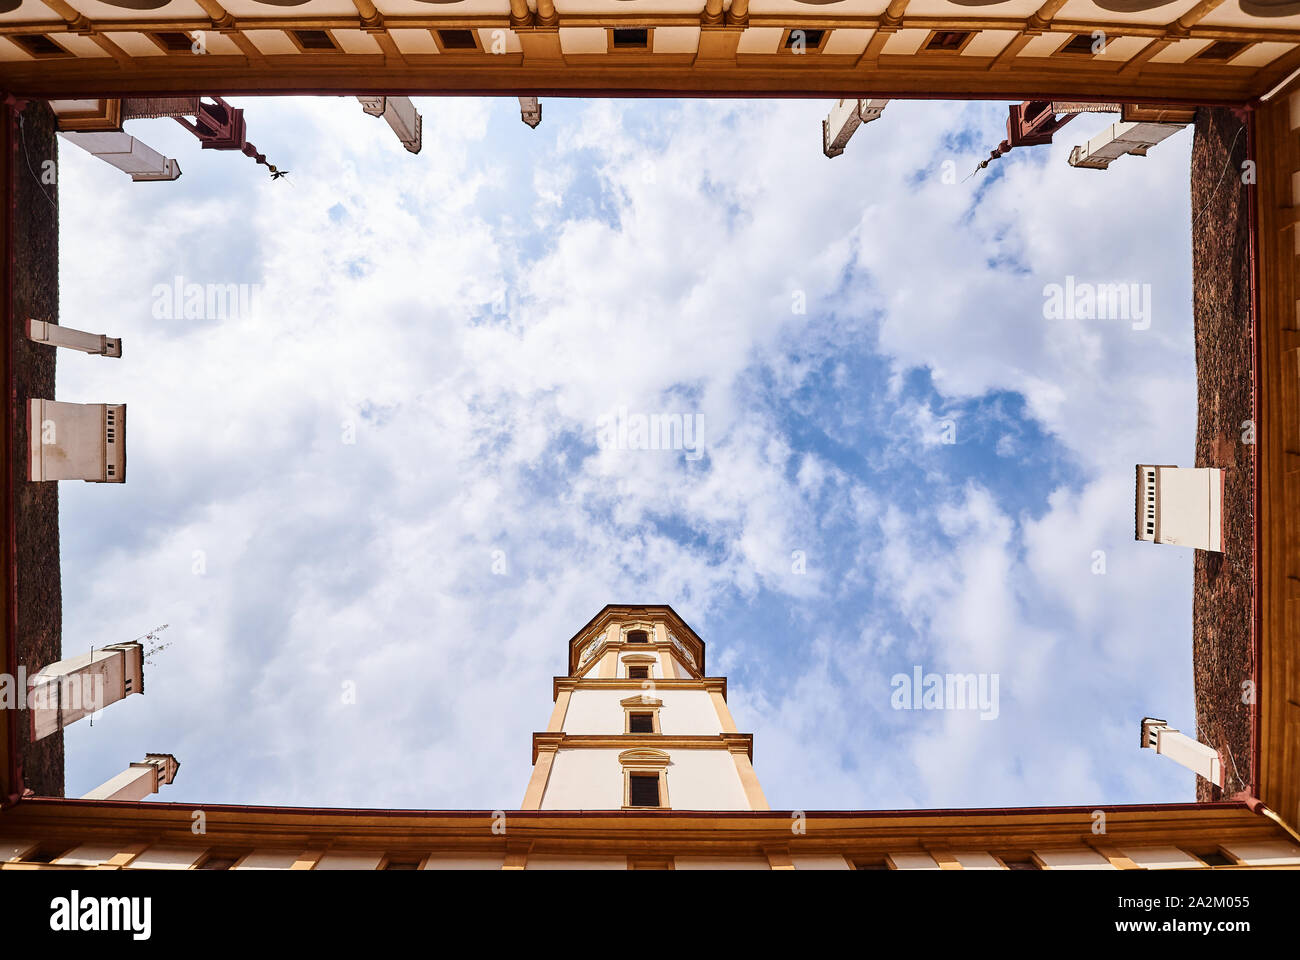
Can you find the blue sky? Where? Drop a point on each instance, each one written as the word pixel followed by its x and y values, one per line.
pixel 416 391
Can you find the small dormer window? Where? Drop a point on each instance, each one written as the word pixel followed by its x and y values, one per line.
pixel 638 636
pixel 645 778
pixel 641 714
pixel 643 790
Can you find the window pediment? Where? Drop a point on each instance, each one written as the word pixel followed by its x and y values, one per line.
pixel 644 757
pixel 641 700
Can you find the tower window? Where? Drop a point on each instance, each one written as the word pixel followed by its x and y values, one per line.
pixel 457 40
pixel 643 790
pixel 638 673
pixel 640 723
pixel 638 636
pixel 948 41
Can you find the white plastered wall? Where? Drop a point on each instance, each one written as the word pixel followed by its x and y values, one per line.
pixel 684 712
pixel 592 779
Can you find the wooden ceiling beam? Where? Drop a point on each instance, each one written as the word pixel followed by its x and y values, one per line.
pixel 225 23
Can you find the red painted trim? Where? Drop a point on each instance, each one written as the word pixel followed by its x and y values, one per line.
pixel 1256 619
pixel 1085 810
pixel 9 561
pixel 615 93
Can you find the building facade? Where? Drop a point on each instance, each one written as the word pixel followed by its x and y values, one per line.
pixel 641 767
pixel 637 724
pixel 1219 50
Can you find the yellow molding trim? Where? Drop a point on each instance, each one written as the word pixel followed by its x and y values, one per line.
pixel 718 684
pixel 749 781
pixel 644 757
pixel 537 782
pixel 547 743
pixel 516 856
pixel 1117 859
pixel 725 719
pixel 107 117
pixel 126 855
pixel 561 710
pixel 853 835
pixel 778 858
pixel 308 859
pixel 945 859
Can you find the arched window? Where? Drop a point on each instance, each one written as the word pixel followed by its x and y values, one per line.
pixel 645 778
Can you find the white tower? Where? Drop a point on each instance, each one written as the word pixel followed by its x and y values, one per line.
pixel 56 335
pixel 1181 506
pixel 1119 140
pixel 530 111
pixel 138 160
pixel 1182 749
pixel 139 780
pixel 638 725
pixel 843 121
pixel 402 117
pixel 67 690
pixel 76 441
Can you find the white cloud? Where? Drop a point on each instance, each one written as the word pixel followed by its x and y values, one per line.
pixel 370 562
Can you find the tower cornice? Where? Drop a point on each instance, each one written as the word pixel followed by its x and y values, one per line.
pixel 612 613
pixel 711 684
pixel 550 741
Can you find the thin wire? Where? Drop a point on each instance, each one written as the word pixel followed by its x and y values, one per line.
pixel 1235 771
pixel 22 135
pixel 1227 163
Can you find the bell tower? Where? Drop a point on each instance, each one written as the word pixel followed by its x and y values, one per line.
pixel 638 725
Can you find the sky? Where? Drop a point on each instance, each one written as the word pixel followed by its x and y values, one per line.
pixel 374 504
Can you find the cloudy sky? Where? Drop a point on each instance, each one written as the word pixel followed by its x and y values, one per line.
pixel 385 475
